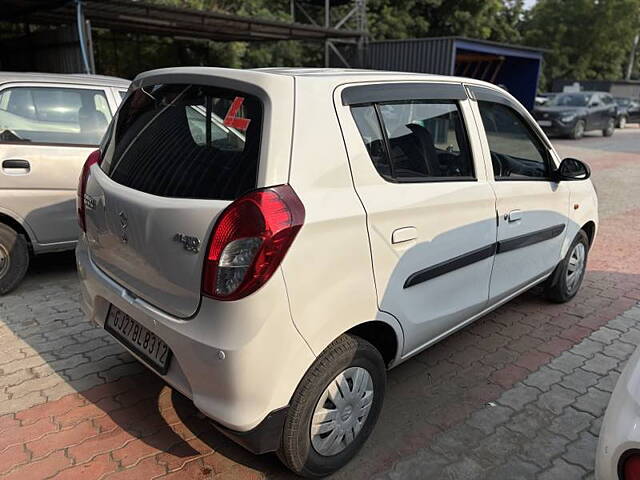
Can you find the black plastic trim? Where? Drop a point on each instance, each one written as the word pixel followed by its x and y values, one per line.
pixel 450 265
pixel 483 253
pixel 528 239
pixel 393 92
pixel 265 437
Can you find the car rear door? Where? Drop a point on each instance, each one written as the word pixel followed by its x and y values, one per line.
pixel 532 208
pixel 418 170
pixel 46 133
pixel 177 154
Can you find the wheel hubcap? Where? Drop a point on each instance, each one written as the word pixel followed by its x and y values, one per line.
pixel 575 267
pixel 341 411
pixel 4 261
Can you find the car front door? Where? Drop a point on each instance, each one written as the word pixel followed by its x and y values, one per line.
pixel 532 208
pixel 418 170
pixel 46 133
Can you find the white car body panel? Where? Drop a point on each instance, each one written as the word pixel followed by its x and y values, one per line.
pixel 620 429
pixel 343 270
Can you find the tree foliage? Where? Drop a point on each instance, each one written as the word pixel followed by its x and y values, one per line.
pixel 585 39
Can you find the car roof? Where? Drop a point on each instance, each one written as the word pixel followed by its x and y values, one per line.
pixel 587 92
pixel 328 77
pixel 77 78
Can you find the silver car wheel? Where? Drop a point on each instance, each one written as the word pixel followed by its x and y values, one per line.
pixel 341 411
pixel 575 268
pixel 5 261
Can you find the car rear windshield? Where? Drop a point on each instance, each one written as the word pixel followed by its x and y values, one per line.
pixel 185 141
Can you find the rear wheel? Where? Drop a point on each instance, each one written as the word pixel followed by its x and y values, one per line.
pixel 622 121
pixel 607 132
pixel 334 409
pixel 578 130
pixel 566 279
pixel 14 258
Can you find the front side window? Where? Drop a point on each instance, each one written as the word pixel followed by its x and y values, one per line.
pixel 53 115
pixel 419 140
pixel 516 153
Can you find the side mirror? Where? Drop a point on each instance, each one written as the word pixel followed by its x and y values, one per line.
pixel 573 169
pixel 594 104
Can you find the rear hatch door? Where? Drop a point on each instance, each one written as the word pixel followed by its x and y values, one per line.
pixel 175 156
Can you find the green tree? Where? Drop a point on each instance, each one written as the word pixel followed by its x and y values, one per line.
pixel 485 19
pixel 586 39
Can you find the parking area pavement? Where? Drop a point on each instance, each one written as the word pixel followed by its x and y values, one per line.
pixel 518 394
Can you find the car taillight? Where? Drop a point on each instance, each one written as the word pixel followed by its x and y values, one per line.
pixel 92 159
pixel 631 467
pixel 249 240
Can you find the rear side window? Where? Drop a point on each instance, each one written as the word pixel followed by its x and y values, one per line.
pixel 419 140
pixel 186 141
pixel 53 115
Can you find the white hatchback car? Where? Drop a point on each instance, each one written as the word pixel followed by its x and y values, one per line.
pixel 618 454
pixel 271 241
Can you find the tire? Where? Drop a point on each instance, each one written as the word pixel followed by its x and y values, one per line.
pixel 14 258
pixel 611 125
pixel 300 450
pixel 561 286
pixel 622 121
pixel 578 130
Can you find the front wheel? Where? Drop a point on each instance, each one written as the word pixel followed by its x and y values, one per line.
pixel 622 121
pixel 334 409
pixel 566 279
pixel 578 130
pixel 607 132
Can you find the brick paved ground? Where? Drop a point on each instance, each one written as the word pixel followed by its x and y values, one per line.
pixel 519 394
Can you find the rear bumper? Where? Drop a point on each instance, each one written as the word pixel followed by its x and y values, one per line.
pixel 228 359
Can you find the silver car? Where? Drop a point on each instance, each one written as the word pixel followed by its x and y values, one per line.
pixel 49 123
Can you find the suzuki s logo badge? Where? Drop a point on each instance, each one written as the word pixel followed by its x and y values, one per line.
pixel 190 243
pixel 124 223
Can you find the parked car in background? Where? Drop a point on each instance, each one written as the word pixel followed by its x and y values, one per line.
pixel 628 111
pixel 355 217
pixel 49 123
pixel 618 453
pixel 573 114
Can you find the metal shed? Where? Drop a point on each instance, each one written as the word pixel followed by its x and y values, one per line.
pixel 516 68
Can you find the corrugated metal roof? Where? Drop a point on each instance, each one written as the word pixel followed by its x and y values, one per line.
pixel 129 16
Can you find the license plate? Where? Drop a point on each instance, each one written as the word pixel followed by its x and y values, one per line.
pixel 139 339
pixel 544 123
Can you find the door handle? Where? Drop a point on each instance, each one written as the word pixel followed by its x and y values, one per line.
pixel 513 216
pixel 404 234
pixel 16 166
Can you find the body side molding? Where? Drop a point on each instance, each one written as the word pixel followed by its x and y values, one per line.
pixel 474 256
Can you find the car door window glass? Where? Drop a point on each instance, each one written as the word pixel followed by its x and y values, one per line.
pixel 516 153
pixel 53 115
pixel 369 127
pixel 421 141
